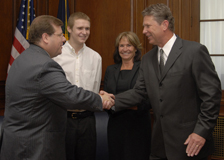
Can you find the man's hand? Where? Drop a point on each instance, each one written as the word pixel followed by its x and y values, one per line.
pixel 194 144
pixel 108 99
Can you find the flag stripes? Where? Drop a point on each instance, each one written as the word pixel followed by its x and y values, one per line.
pixel 20 43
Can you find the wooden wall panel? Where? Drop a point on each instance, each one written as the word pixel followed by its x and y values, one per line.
pixel 6 27
pixel 6 18
pixel 175 7
pixel 53 7
pixel 185 20
pixel 41 7
pixel 186 14
pixel 50 7
pixel 138 7
pixel 195 21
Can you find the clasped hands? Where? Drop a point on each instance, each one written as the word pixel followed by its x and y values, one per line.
pixel 107 99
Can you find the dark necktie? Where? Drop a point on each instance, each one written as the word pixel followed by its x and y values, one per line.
pixel 161 64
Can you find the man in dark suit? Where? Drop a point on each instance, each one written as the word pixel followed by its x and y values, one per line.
pixel 38 96
pixel 180 80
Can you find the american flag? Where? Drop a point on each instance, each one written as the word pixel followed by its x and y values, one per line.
pixel 20 43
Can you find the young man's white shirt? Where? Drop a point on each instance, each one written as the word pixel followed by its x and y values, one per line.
pixel 83 69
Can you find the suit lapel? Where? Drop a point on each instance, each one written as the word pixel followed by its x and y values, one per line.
pixel 174 54
pixel 155 63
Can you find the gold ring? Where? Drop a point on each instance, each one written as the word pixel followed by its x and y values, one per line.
pixel 196 145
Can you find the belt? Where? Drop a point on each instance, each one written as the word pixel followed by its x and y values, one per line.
pixel 79 115
pixel 76 110
pixel 133 108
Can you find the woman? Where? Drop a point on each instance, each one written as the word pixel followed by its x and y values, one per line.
pixel 129 131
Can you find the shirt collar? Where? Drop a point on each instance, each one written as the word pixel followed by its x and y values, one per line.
pixel 168 46
pixel 71 48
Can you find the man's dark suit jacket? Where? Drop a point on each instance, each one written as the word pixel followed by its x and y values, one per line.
pixel 35 118
pixel 184 100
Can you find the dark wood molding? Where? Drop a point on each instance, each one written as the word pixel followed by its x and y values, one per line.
pixel 216 54
pixel 14 19
pixel 72 6
pixel 211 20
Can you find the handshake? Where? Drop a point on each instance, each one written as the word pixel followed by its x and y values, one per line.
pixel 107 100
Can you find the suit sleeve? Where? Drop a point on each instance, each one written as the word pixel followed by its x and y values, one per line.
pixel 133 96
pixel 54 85
pixel 209 91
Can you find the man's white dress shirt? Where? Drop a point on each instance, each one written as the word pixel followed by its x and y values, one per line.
pixel 167 48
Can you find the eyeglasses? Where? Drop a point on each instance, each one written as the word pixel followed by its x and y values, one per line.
pixel 59 35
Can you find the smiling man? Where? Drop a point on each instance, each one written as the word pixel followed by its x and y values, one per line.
pixel 83 67
pixel 179 78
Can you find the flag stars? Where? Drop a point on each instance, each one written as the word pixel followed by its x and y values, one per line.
pixel 30 13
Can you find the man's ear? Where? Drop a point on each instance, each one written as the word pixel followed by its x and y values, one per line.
pixel 69 29
pixel 165 24
pixel 45 37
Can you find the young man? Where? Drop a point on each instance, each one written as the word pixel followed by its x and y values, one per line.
pixel 83 67
pixel 180 80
